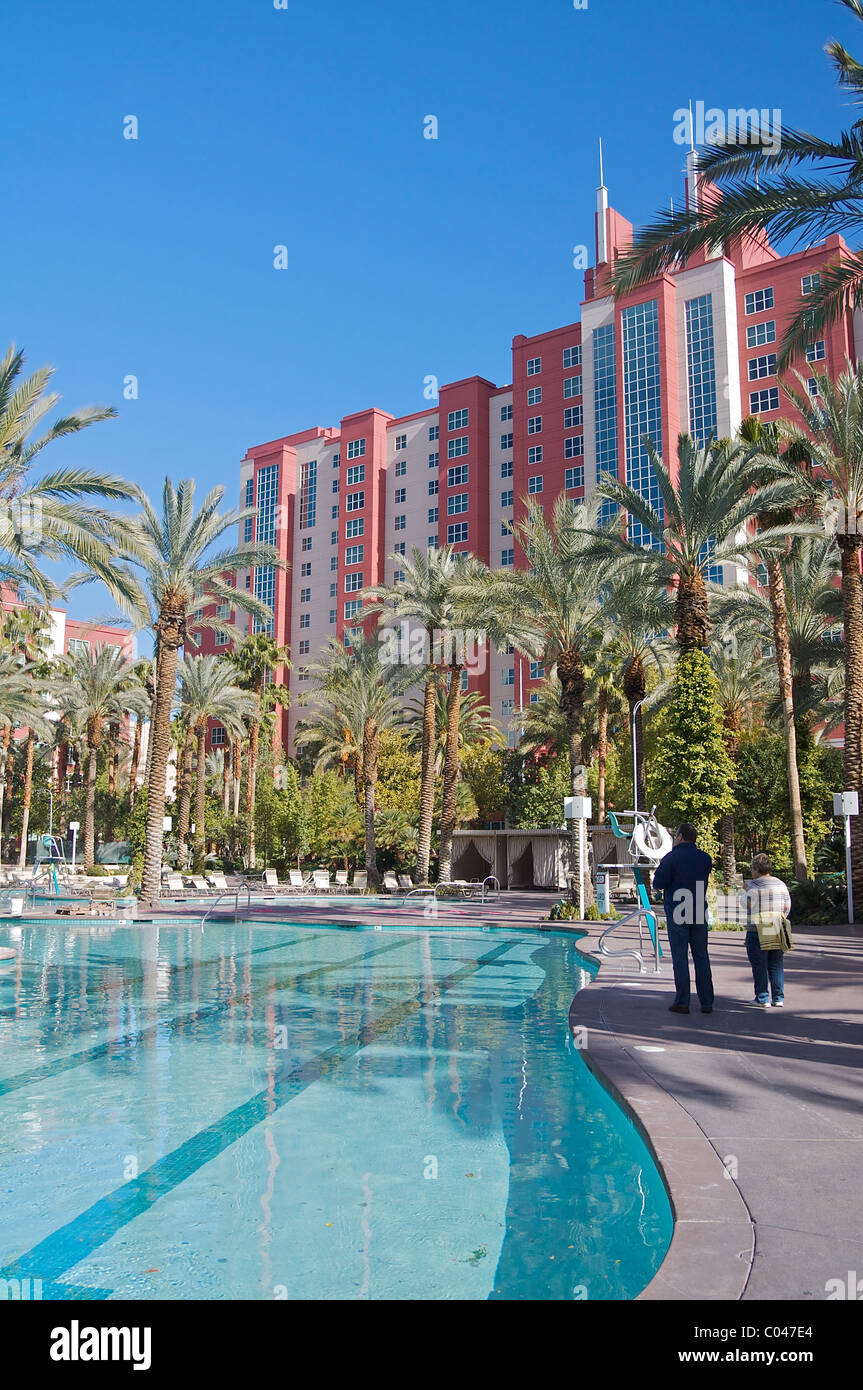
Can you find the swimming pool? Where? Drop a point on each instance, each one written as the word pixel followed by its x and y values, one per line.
pixel 262 1112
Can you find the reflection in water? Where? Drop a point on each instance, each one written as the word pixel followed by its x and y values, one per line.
pixel 341 1114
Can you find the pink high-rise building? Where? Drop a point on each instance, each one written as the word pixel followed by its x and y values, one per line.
pixel 694 350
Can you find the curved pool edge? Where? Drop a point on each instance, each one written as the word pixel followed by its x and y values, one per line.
pixel 712 1246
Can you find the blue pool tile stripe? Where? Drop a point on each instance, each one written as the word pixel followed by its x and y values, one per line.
pixel 78 1239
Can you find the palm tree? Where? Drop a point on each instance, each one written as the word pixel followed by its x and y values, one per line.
pixel 142 671
pixel 753 192
pixel 26 631
pixel 49 517
pixel 604 698
pixel 256 662
pixel 832 433
pixel 208 691
pixel 366 693
pixel 742 687
pixel 181 573
pixel 96 690
pixel 542 722
pixel 475 725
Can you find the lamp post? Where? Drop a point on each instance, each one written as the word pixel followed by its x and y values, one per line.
pixel 74 826
pixel 846 805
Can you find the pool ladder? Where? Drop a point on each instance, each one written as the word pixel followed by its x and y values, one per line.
pixel 231 893
pixel 642 914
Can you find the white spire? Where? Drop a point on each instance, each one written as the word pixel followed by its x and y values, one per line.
pixel 601 215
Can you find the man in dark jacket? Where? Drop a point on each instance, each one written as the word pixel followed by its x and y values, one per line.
pixel 682 876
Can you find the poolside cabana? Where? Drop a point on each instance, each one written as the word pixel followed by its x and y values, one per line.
pixel 517 858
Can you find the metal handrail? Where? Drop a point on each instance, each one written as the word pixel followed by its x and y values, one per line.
pixel 484 887
pixel 640 915
pixel 231 893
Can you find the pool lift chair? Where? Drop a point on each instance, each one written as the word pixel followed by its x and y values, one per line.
pixel 648 842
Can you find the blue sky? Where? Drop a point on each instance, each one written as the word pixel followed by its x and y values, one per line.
pixel 304 127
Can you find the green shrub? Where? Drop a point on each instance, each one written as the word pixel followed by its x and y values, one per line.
pixel 97 871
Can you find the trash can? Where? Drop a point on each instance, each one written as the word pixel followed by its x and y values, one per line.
pixel 603 897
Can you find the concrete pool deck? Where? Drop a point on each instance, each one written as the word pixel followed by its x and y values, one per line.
pixel 754 1116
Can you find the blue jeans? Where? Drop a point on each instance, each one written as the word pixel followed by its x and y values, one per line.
pixel 682 941
pixel 767 967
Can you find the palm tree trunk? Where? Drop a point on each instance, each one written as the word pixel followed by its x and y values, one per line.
pixel 370 776
pixel 90 807
pixel 226 777
pixel 778 608
pixel 450 776
pixel 570 669
pixel 113 770
pixel 237 772
pixel 200 852
pixel 729 854
pixel 852 609
pixel 427 780
pixel 169 640
pixel 9 766
pixel 136 758
pixel 254 736
pixel 185 794
pixel 28 793
pixel 601 751
pixel 4 774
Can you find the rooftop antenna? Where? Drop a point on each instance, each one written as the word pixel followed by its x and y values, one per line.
pixel 691 129
pixel 601 178
pixel 601 215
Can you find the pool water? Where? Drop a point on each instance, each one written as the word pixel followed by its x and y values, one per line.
pixel 293 1112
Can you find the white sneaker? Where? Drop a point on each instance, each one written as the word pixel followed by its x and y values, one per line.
pixel 759 1005
pixel 779 1003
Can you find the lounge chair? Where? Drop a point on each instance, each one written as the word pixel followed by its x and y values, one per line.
pixel 175 885
pixel 391 883
pixel 341 883
pixel 360 883
pixel 406 882
pixel 219 882
pixel 271 881
pixel 200 883
pixel 321 879
pixel 296 880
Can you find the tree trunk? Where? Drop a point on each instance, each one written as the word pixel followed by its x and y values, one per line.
pixel 136 758
pixel 427 780
pixel 169 638
pixel 370 776
pixel 601 751
pixel 28 793
pixel 185 795
pixel 237 772
pixel 200 851
pixel 113 770
pixel 692 614
pixel 450 776
pixel 570 669
pixel 729 855
pixel 4 774
pixel 226 777
pixel 776 589
pixel 10 766
pixel 90 804
pixel 852 607
pixel 251 770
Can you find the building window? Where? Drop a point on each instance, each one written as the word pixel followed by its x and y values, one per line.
pixel 507 557
pixel 506 528
pixel 812 386
pixel 575 476
pixel 464 680
pixel 333 616
pixel 305 595
pixel 398 576
pixel 457 476
pixel 433 543
pixel 399 547
pixel 507 498
pixel 250 492
pixel 457 420
pixel 537 671
pixel 401 522
pixel 356 501
pixel 335 485
pixel 507 675
pixel 505 413
pixel 247 529
pixel 506 441
pixel 334 563
pixel 401 495
pixel 356 448
pixel 534 424
pixel 356 475
pixel 507 707
pixel 534 366
pixel 337 458
pixel 304 647
pixel 762 401
pixel 434 487
pixel 506 469
pixel 353 582
pixel 456 533
pixel 352 608
pixel 456 503
pixel 816 352
pixel 432 515
pixel 217 736
pixel 305 569
pixel 571 387
pixel 334 589
pixel 433 460
pixel 701 367
pixel 434 432
pixel 534 484
pixel 642 412
pixel 334 512
pixel 457 448
pixel 534 395
pixel 401 468
pixel 534 454
pixel 354 555
pixel 305 620
pixel 572 356
pixel 401 442
pixel 572 417
pixel 78 646
pixel 355 527
pixel 810 283
pixel 757 334
pixel 759 300
pixel 762 366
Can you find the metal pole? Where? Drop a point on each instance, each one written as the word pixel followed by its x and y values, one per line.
pixel 635 708
pixel 581 858
pixel 74 842
pixel 50 812
pixel 848 869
